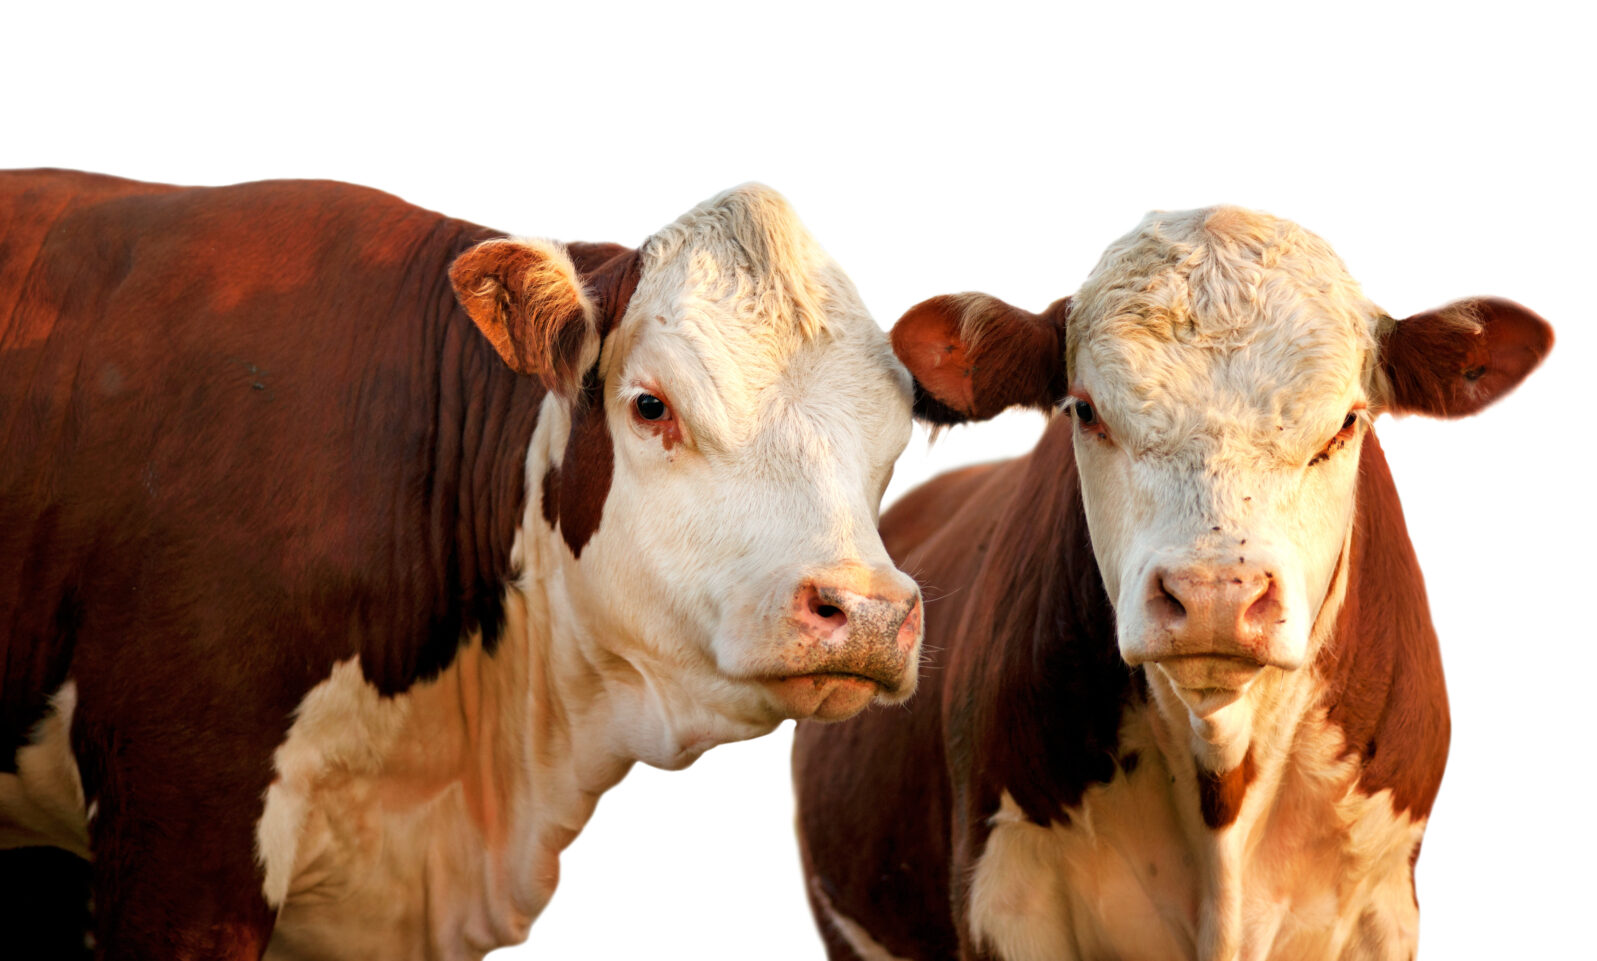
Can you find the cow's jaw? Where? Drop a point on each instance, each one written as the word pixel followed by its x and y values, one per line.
pixel 716 599
pixel 734 577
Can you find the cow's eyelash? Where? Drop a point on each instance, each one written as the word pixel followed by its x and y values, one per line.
pixel 1350 426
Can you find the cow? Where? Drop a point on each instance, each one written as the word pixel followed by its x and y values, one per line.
pixel 350 552
pixel 1188 700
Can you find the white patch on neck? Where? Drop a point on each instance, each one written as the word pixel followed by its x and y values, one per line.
pixel 427 825
pixel 42 803
pixel 1311 868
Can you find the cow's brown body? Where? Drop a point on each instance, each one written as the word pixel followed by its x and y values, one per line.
pixel 1025 693
pixel 248 434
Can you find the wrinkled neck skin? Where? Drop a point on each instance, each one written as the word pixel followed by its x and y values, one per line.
pixel 430 824
pixel 604 698
pixel 590 700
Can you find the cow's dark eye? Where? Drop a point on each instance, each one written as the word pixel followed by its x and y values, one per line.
pixel 1351 419
pixel 1085 415
pixel 650 407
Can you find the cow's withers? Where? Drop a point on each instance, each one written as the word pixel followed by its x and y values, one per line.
pixel 1192 701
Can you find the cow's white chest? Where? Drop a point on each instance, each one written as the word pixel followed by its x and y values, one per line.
pixel 378 841
pixel 1312 869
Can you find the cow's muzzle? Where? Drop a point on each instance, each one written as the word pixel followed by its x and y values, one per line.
pixel 853 639
pixel 1213 626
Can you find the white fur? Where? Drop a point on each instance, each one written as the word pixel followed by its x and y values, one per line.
pixel 1221 350
pixel 1311 869
pixel 42 803
pixel 429 825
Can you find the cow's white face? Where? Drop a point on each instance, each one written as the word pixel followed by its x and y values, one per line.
pixel 706 493
pixel 1219 390
pixel 1220 370
pixel 756 413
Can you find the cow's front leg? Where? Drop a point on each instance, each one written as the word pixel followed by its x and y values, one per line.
pixel 173 834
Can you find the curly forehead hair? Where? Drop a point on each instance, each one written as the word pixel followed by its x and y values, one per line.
pixel 1218 276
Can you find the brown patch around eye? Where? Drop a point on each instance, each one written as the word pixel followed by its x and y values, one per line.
pixel 1350 426
pixel 652 412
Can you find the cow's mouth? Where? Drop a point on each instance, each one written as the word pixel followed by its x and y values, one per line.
pixel 1213 679
pixel 823 696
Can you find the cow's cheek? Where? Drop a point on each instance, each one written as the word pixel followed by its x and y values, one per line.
pixel 1327 512
pixel 1115 497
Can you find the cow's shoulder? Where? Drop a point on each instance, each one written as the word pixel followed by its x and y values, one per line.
pixel 1035 687
pixel 254 412
pixel 947 502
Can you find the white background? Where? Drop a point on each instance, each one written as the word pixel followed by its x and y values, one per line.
pixel 1444 151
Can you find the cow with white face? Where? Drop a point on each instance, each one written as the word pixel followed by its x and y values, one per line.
pixel 1191 702
pixel 1222 369
pixel 349 552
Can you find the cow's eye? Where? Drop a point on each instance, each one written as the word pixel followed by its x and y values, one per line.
pixel 650 407
pixel 1351 419
pixel 1085 415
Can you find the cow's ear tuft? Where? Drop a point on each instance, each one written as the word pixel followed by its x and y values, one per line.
pixel 973 355
pixel 1459 359
pixel 526 298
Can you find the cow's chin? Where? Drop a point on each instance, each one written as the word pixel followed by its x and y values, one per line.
pixel 1208 683
pixel 821 697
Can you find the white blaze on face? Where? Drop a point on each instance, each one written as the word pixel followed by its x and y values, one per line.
pixel 755 410
pixel 1215 358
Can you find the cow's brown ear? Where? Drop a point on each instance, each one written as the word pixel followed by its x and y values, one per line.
pixel 526 298
pixel 1458 359
pixel 973 355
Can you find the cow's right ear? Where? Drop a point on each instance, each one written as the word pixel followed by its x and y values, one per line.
pixel 972 356
pixel 525 296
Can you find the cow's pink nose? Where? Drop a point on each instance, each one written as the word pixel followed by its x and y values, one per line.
pixel 883 618
pixel 1227 610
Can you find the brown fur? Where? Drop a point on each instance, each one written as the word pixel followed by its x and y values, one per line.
pixel 249 433
pixel 1220 796
pixel 523 300
pixel 1385 688
pixel 1023 690
pixel 975 355
pixel 1453 361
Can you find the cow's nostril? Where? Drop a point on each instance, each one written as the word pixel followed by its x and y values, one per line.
pixel 1265 608
pixel 820 607
pixel 1166 606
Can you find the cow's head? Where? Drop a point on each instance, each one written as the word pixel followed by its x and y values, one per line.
pixel 722 419
pixel 1220 369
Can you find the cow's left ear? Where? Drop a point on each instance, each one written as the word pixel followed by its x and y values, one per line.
pixel 525 296
pixel 972 356
pixel 1458 359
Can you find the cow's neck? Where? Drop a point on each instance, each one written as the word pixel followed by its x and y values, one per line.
pixel 595 699
pixel 1230 769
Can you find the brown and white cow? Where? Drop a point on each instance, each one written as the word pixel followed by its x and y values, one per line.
pixel 1187 701
pixel 326 619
